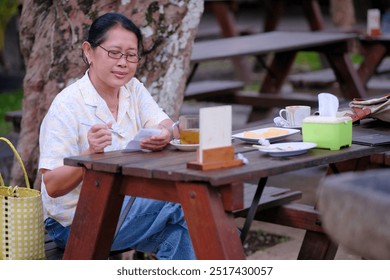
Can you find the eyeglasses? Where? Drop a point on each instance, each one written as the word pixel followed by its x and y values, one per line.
pixel 131 57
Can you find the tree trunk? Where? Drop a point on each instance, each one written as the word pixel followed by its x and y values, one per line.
pixel 51 34
pixel 343 13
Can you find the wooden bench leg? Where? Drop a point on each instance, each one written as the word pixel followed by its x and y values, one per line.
pixel 317 246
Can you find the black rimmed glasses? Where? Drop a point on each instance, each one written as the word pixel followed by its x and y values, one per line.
pixel 131 57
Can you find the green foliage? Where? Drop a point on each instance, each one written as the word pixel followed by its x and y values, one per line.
pixel 312 61
pixel 9 101
pixel 8 8
pixel 309 60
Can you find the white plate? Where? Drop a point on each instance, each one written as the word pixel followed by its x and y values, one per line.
pixel 184 147
pixel 262 130
pixel 288 149
pixel 292 127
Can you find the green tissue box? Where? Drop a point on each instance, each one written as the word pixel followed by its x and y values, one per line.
pixel 328 132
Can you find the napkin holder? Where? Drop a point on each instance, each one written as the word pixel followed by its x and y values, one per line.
pixel 215 158
pixel 328 132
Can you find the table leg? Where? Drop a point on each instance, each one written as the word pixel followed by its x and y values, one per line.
pixel 275 8
pixel 317 246
pixel 253 209
pixel 224 17
pixel 100 201
pixel 273 12
pixel 278 71
pixel 312 11
pixel 228 24
pixel 214 233
pixel 350 84
pixel 374 55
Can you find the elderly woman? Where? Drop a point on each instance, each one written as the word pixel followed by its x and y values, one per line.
pixel 116 106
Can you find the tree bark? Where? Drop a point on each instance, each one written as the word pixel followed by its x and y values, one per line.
pixel 51 34
pixel 343 13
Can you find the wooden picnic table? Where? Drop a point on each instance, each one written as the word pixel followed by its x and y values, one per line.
pixel 208 198
pixel 284 46
pixel 274 9
pixel 273 12
pixel 374 50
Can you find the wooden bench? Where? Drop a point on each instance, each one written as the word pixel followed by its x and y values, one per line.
pixel 55 253
pixel 277 206
pixel 15 117
pixel 209 90
pixel 271 197
pixel 374 49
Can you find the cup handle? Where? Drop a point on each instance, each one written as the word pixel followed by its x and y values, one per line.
pixel 175 125
pixel 281 114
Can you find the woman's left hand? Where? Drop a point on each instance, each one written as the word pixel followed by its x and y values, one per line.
pixel 157 142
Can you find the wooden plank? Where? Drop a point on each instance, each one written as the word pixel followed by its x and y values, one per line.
pixel 267 100
pixel 265 43
pixel 204 90
pixel 270 197
pixel 294 215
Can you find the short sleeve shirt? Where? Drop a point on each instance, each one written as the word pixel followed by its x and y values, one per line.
pixel 63 134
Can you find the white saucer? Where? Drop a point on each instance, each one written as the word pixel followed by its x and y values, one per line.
pixel 292 127
pixel 287 149
pixel 183 147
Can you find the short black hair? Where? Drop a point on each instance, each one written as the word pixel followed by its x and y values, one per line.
pixel 100 27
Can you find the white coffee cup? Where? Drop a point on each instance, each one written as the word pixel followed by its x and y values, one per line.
pixel 294 115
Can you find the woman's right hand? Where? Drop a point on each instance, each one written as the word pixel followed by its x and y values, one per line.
pixel 99 136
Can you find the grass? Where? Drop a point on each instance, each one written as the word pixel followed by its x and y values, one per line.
pixel 311 60
pixel 9 101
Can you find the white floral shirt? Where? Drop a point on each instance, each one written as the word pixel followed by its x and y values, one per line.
pixel 63 133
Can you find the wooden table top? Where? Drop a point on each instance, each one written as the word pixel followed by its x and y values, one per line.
pixel 263 43
pixel 170 164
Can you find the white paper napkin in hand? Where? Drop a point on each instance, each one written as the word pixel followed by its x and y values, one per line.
pixel 134 145
pixel 328 104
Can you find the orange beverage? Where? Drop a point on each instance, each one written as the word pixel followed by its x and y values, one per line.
pixel 189 136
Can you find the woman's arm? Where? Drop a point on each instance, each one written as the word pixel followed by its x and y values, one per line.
pixel 62 180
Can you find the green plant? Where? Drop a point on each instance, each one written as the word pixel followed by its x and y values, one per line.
pixel 309 60
pixel 9 101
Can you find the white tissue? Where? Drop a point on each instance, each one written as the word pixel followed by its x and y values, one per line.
pixel 279 121
pixel 244 159
pixel 328 105
pixel 263 142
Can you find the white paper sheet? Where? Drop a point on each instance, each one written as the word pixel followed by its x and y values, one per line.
pixel 215 128
pixel 133 145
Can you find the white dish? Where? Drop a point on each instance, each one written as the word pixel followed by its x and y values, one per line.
pixel 184 147
pixel 287 149
pixel 263 130
pixel 292 127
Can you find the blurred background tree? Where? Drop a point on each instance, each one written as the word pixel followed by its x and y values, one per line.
pixel 51 34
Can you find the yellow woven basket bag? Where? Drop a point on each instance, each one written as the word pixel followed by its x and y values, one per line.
pixel 21 220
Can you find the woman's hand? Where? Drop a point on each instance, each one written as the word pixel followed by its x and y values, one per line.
pixel 99 137
pixel 157 142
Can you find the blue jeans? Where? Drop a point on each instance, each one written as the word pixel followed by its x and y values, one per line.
pixel 150 226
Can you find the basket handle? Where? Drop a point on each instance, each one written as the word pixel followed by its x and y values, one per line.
pixel 20 162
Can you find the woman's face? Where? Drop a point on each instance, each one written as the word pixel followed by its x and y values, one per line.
pixel 106 73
